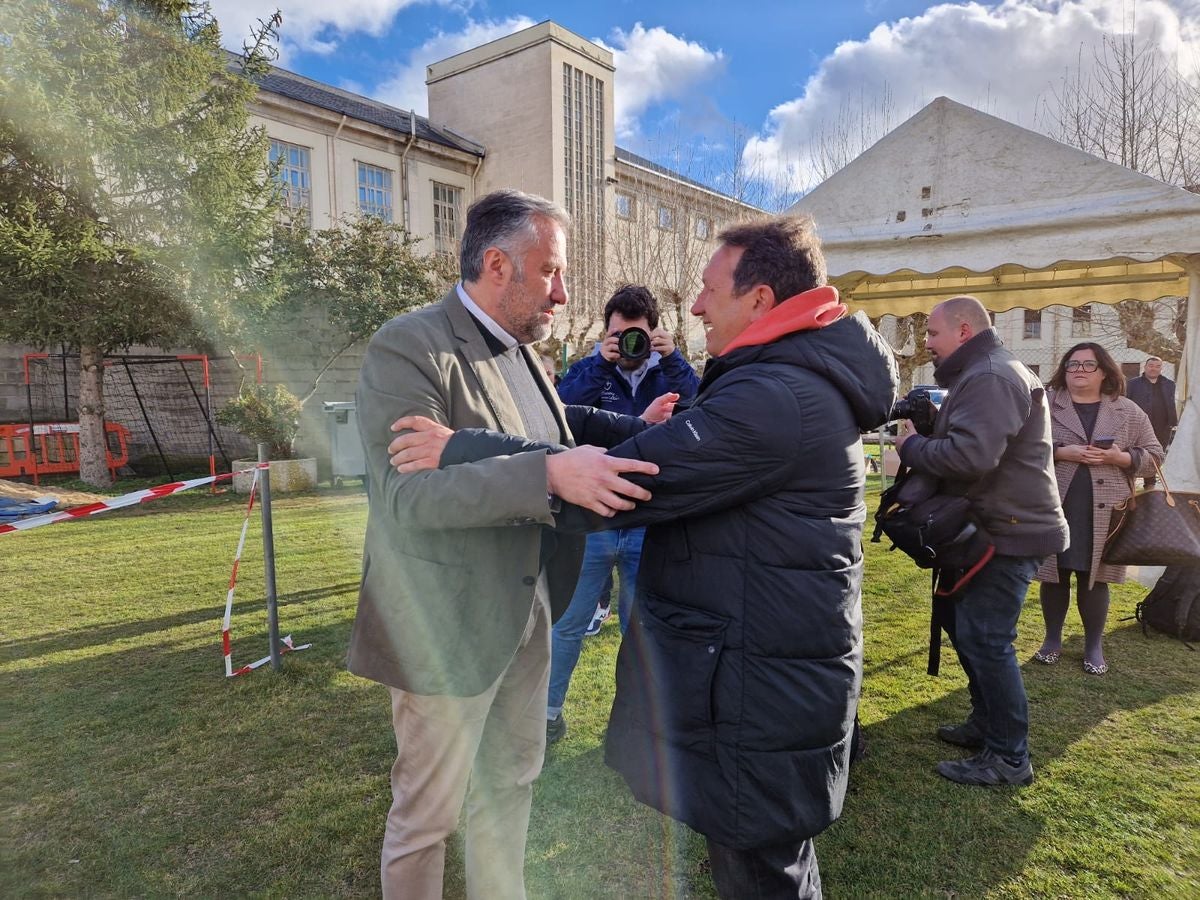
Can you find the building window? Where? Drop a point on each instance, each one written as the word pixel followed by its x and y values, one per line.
pixel 703 228
pixel 1033 325
pixel 583 177
pixel 375 191
pixel 1081 321
pixel 447 203
pixel 624 206
pixel 1131 370
pixel 666 218
pixel 294 175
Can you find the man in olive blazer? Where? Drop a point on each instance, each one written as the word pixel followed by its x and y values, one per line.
pixel 461 567
pixel 467 540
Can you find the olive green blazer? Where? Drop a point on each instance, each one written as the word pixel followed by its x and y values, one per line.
pixel 452 555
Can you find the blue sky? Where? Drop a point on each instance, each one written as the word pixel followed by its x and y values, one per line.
pixel 776 84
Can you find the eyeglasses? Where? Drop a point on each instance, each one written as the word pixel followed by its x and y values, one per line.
pixel 1088 365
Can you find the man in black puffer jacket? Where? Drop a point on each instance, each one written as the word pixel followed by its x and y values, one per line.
pixel 738 679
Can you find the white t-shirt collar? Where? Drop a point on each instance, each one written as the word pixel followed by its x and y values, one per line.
pixel 488 322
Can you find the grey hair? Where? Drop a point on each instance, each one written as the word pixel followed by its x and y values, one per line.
pixel 506 220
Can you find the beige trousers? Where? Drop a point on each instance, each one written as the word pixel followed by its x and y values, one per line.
pixel 495 743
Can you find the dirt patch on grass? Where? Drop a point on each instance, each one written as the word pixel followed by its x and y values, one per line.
pixel 14 490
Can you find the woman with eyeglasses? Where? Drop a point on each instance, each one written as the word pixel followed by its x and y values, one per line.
pixel 1101 441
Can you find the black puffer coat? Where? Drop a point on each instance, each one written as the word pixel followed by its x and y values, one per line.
pixel 738 679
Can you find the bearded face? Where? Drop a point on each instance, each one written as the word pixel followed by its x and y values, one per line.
pixel 528 318
pixel 535 289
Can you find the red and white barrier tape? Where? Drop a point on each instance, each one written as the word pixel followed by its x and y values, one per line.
pixel 165 490
pixel 237 558
pixel 286 647
pixel 103 506
pixel 226 643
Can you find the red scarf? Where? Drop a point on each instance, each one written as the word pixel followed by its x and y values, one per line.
pixel 808 311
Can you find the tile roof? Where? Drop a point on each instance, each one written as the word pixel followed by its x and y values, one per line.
pixel 297 87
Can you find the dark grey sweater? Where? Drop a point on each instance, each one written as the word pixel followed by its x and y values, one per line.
pixel 991 442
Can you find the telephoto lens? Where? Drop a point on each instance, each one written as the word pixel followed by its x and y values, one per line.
pixel 633 343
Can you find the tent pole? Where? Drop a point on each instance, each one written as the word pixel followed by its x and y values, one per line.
pixel 1182 467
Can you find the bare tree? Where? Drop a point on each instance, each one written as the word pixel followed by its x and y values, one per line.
pixel 659 229
pixel 860 122
pixel 1129 103
pixel 906 335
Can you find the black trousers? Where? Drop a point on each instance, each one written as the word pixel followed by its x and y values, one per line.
pixel 766 873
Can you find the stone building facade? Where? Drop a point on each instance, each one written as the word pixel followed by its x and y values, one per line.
pixel 533 111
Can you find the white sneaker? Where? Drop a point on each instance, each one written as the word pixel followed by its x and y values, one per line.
pixel 602 613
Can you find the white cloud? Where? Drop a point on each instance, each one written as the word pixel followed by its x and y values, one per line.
pixel 1005 58
pixel 314 26
pixel 653 65
pixel 405 87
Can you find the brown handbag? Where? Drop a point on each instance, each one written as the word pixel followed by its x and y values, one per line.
pixel 1155 528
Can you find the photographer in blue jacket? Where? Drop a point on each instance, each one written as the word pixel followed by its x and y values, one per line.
pixel 635 362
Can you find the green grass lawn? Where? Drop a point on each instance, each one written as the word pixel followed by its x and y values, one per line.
pixel 132 767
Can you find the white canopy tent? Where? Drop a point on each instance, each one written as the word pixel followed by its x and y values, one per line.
pixel 955 201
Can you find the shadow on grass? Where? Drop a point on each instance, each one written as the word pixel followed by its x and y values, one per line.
pixel 94 636
pixel 588 837
pixel 906 831
pixel 145 772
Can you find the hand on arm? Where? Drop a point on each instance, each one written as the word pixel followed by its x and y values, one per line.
pixel 422 446
pixel 587 477
pixel 660 408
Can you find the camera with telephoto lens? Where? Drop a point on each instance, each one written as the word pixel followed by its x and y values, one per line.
pixel 918 407
pixel 633 343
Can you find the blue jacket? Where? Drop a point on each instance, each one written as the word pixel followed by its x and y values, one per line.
pixel 594 381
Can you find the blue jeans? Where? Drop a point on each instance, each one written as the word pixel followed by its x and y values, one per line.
pixel 622 548
pixel 985 626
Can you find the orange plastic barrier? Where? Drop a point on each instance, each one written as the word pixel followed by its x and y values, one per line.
pixel 55 449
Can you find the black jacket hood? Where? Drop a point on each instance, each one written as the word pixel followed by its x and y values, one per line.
pixel 850 354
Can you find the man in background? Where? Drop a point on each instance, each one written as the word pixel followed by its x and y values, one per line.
pixel 990 443
pixel 1154 392
pixel 619 382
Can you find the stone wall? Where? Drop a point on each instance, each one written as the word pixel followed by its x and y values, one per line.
pixel 293 363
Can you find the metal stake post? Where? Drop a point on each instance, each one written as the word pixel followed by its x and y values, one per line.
pixel 264 486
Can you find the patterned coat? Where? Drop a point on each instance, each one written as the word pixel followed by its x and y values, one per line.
pixel 1125 421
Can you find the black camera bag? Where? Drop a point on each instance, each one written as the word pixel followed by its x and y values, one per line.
pixel 937 532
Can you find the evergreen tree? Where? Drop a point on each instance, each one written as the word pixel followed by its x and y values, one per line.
pixel 134 202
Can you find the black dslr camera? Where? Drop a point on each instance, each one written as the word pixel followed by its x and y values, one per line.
pixel 633 343
pixel 918 407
